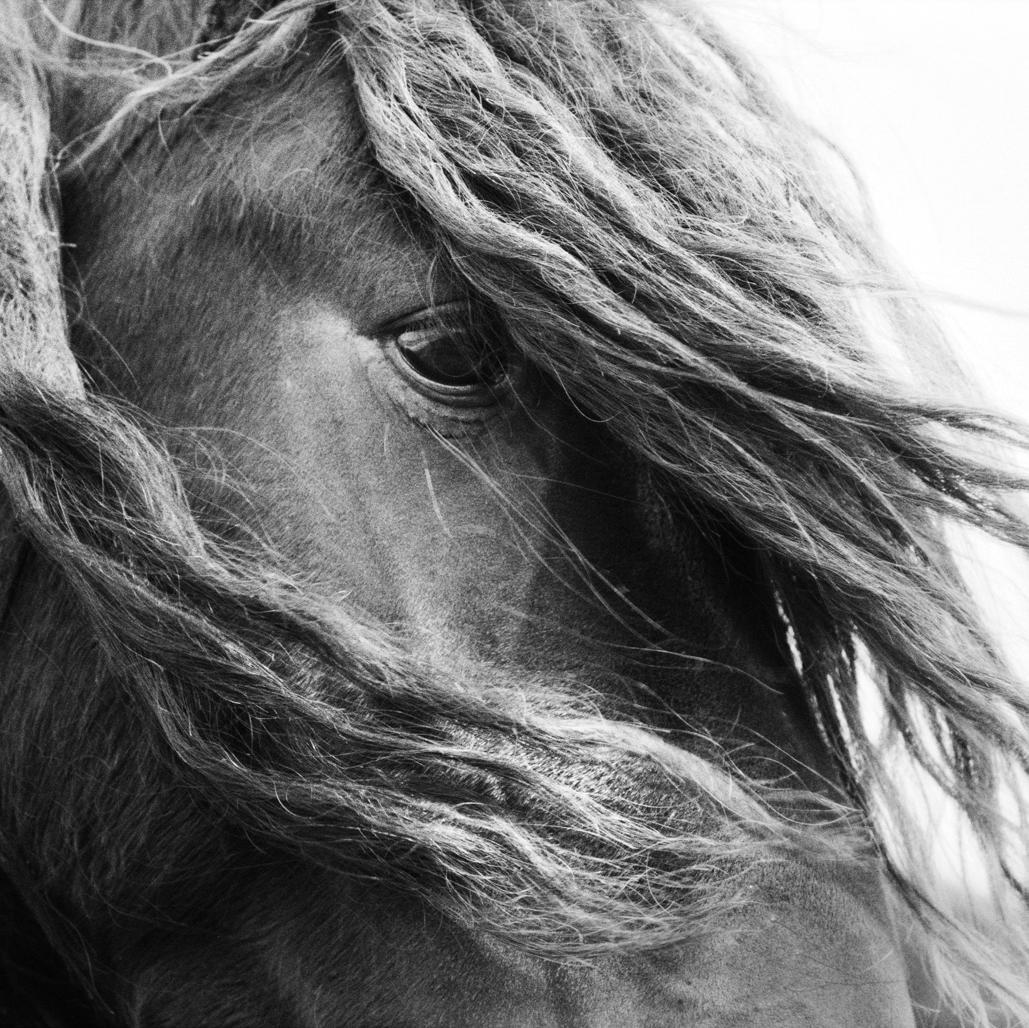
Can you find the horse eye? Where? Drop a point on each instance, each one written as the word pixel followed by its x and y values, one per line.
pixel 444 355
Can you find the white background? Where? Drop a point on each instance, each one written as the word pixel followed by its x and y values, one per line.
pixel 930 99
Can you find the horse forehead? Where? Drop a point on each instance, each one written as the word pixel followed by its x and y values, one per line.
pixel 298 178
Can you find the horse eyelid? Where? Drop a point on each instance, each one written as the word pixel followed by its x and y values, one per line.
pixel 418 339
pixel 453 314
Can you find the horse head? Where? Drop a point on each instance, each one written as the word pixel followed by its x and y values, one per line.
pixel 445 603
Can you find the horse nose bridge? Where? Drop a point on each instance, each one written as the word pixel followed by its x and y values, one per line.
pixel 814 948
pixel 811 951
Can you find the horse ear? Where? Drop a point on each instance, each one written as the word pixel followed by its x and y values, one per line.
pixel 33 321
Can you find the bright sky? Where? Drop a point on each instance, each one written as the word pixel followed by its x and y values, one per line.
pixel 929 98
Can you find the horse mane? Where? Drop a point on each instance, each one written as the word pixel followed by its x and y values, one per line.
pixel 661 238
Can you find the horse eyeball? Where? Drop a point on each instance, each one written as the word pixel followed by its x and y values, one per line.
pixel 448 357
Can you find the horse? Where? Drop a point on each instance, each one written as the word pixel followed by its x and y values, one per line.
pixel 469 556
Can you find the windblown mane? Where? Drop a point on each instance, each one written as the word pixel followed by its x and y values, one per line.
pixel 660 237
